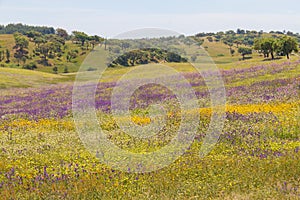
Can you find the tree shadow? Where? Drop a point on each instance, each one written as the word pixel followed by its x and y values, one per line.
pixel 270 59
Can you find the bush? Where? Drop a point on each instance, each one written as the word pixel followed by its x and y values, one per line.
pixel 30 66
pixel 193 58
pixel 91 69
pixel 55 70
pixel 66 70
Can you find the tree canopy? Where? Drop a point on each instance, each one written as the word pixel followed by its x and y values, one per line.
pixel 13 28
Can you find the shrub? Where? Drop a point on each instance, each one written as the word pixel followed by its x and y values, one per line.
pixel 30 66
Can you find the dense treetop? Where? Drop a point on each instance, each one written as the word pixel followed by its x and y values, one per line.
pixel 22 28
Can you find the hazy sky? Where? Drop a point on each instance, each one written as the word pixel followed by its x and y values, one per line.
pixel 109 18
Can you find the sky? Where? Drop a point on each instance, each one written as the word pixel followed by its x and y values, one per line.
pixel 112 17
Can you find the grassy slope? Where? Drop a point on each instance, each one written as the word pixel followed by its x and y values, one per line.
pixel 218 51
pixel 10 77
pixel 242 177
pixel 7 42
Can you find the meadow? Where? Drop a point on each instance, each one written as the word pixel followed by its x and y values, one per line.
pixel 257 156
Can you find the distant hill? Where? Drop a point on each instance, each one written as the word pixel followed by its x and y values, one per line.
pixel 56 51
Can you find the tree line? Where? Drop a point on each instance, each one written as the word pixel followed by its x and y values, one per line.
pixel 146 56
pixel 272 44
pixel 282 46
pixel 22 28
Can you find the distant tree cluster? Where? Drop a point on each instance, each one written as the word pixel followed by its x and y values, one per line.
pixel 21 48
pixel 146 56
pixel 85 40
pixel 47 46
pixel 20 28
pixel 282 46
pixel 281 43
pixel 242 37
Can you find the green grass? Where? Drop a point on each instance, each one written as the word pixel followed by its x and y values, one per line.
pixel 228 172
pixel 7 42
pixel 10 77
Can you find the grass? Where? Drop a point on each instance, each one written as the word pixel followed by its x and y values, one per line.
pixel 7 42
pixel 10 77
pixel 257 156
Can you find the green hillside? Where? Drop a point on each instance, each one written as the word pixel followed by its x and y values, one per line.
pixel 11 77
pixel 61 53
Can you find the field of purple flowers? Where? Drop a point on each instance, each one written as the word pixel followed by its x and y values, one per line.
pixel 257 156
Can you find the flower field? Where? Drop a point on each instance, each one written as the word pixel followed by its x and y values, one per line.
pixel 257 156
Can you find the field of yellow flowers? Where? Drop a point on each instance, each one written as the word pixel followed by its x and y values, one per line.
pixel 257 155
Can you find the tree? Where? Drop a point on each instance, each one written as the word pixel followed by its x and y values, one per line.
pixel 21 47
pixel 193 58
pixel 23 29
pixel 66 70
pixel 230 32
pixel 125 45
pixel 80 36
pixel 7 56
pixel 62 33
pixel 266 46
pixel 232 51
pixel 48 50
pixel 287 45
pixel 33 34
pixel 240 31
pixel 1 55
pixel 72 55
pixel 228 40
pixel 44 49
pixel 30 66
pixel 94 40
pixel 244 51
pixel 237 42
pixel 55 70
pixel 199 42
pixel 210 39
pixel 39 40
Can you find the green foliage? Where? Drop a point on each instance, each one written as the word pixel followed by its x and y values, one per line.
pixel 1 55
pixel 62 33
pixel 283 45
pixel 266 46
pixel 21 47
pixel 66 70
pixel 49 47
pixel 287 45
pixel 7 53
pixel 72 55
pixel 94 40
pixel 245 51
pixel 193 58
pixel 87 40
pixel 210 39
pixel 145 56
pixel 55 69
pixel 80 37
pixel 174 57
pixel 30 66
pixel 23 29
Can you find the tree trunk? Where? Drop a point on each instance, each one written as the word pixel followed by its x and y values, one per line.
pixel 272 54
pixel 288 56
